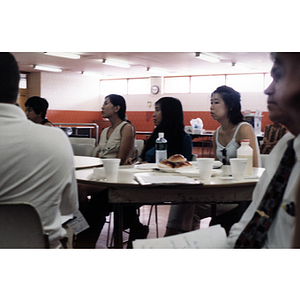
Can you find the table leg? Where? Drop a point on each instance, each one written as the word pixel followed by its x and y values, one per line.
pixel 213 210
pixel 118 226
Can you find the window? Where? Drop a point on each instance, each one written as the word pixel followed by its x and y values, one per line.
pixel 139 86
pixel 206 84
pixel 187 84
pixel 118 86
pixel 268 80
pixel 177 85
pixel 246 82
pixel 23 81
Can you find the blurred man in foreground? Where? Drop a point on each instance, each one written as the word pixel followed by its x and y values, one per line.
pixel 269 220
pixel 36 162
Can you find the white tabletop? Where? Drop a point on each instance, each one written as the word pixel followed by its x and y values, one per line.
pixel 82 162
pixel 127 173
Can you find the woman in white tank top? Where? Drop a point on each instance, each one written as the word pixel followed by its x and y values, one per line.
pixel 226 109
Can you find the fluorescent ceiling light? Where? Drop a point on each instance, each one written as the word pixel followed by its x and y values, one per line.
pixel 115 63
pixel 93 74
pixel 206 57
pixel 157 71
pixel 240 66
pixel 46 68
pixel 63 54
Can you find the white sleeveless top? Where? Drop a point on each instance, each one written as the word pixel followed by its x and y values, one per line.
pixel 231 147
pixel 109 147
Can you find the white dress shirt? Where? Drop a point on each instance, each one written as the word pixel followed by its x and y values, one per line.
pixel 37 166
pixel 280 234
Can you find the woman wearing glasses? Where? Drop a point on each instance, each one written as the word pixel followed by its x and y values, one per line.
pixel 226 109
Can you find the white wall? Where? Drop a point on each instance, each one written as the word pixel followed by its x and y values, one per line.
pixel 70 92
pixel 78 92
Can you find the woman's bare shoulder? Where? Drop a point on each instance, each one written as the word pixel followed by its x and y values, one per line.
pixel 245 131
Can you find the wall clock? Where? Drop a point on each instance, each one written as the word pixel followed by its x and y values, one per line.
pixel 154 89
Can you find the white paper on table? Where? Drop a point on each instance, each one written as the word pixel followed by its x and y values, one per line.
pixel 213 237
pixel 133 170
pixel 162 180
pixel 98 174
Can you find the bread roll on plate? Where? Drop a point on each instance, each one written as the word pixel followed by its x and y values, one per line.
pixel 165 164
pixel 185 164
pixel 176 158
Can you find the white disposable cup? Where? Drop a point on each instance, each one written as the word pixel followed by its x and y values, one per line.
pixel 205 166
pixel 111 168
pixel 238 167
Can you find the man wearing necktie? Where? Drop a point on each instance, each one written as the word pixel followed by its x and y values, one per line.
pixel 269 220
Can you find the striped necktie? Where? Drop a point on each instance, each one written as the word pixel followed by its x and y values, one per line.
pixel 255 233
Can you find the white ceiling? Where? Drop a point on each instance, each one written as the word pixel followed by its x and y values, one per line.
pixel 173 63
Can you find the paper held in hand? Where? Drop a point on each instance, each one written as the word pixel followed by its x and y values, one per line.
pixel 213 237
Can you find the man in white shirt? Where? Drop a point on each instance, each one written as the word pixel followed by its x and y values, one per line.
pixel 36 162
pixel 284 108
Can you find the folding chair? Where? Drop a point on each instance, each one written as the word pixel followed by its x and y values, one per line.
pixel 21 227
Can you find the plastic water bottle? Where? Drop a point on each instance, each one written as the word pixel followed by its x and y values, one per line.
pixel 160 148
pixel 245 151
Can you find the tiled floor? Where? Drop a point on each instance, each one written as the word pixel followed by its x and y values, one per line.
pixel 162 217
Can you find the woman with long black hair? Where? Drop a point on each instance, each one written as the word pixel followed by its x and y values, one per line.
pixel 226 109
pixel 168 118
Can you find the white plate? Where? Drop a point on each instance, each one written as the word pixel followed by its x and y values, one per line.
pixel 167 170
pixel 146 166
pixel 217 164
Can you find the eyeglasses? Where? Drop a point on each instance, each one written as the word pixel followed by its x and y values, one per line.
pixel 224 152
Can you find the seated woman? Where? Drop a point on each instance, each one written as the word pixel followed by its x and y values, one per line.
pixel 36 109
pixel 116 141
pixel 226 109
pixel 168 118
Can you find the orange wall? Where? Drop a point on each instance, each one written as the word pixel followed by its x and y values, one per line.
pixel 73 116
pixel 141 120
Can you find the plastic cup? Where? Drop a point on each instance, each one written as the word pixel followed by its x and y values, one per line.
pixel 205 166
pixel 111 168
pixel 238 167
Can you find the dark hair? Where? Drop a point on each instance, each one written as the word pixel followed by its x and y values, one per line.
pixel 232 100
pixel 171 125
pixel 118 100
pixel 38 104
pixel 9 78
